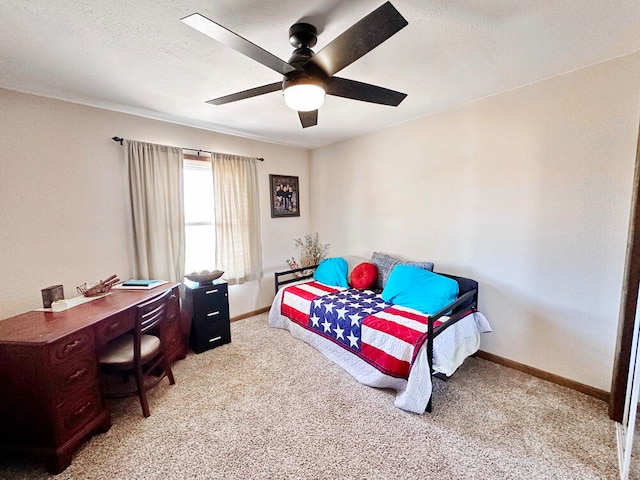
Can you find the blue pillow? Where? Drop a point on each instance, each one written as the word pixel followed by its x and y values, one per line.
pixel 332 272
pixel 419 289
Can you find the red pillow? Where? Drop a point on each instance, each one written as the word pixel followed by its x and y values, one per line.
pixel 364 276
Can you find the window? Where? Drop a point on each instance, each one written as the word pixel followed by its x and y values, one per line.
pixel 199 212
pixel 222 216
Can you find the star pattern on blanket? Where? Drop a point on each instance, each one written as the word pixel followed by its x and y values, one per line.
pixel 340 315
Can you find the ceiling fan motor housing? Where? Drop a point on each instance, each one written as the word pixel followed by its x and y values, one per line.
pixel 303 35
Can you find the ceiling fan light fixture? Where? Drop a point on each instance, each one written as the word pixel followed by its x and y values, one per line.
pixel 303 94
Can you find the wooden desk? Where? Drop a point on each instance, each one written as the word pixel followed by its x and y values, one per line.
pixel 50 395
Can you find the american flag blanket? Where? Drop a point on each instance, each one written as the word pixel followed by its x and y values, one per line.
pixel 390 337
pixel 385 336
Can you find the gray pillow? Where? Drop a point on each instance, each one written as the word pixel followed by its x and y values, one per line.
pixel 385 264
pixel 425 265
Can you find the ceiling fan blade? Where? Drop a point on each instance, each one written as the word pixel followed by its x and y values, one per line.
pixel 360 39
pixel 308 119
pixel 235 41
pixel 365 92
pixel 252 92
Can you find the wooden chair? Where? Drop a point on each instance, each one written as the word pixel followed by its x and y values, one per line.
pixel 141 352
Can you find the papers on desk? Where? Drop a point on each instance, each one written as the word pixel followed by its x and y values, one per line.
pixel 139 284
pixel 67 303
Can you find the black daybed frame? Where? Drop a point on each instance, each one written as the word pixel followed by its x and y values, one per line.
pixel 467 301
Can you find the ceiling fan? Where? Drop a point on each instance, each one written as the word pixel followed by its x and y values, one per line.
pixel 308 77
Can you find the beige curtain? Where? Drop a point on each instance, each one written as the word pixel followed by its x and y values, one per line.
pixel 157 210
pixel 238 245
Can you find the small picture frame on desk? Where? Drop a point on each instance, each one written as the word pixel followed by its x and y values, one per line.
pixel 52 294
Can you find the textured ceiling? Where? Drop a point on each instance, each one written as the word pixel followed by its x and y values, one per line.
pixel 137 56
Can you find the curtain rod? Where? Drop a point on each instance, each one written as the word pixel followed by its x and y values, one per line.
pixel 198 150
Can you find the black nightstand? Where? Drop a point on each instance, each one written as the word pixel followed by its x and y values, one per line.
pixel 208 306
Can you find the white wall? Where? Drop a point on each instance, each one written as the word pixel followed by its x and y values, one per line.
pixel 527 192
pixel 63 212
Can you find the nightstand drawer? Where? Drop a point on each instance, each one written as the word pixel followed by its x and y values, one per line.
pixel 209 298
pixel 211 312
pixel 207 334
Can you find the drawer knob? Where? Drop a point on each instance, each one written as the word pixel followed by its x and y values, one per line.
pixel 211 314
pixel 75 376
pixel 215 290
pixel 112 327
pixel 70 347
pixel 80 411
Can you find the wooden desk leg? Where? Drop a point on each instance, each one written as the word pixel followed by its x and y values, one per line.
pixel 58 462
pixel 105 425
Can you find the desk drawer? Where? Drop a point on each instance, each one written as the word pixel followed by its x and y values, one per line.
pixel 75 414
pixel 73 346
pixel 115 326
pixel 173 311
pixel 76 375
pixel 174 344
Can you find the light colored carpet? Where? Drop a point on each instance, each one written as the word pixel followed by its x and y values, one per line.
pixel 269 406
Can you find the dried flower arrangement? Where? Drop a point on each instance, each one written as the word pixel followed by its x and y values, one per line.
pixel 311 251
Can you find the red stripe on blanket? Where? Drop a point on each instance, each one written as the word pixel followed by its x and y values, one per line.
pixel 305 293
pixel 386 363
pixel 295 315
pixel 324 287
pixel 418 317
pixel 396 330
pixel 399 331
pixel 289 303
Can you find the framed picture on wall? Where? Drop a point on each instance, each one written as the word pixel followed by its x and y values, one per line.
pixel 285 198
